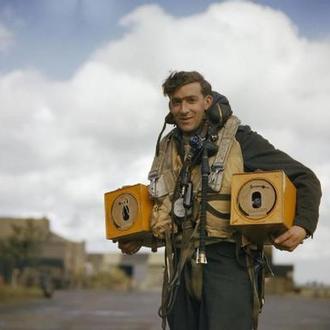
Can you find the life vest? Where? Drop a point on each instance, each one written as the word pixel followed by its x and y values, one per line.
pixel 165 170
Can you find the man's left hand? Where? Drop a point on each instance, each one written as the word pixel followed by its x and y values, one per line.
pixel 289 240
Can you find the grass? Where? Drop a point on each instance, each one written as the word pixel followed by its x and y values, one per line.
pixel 116 279
pixel 13 294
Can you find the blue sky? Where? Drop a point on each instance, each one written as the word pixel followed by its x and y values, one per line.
pixel 56 36
pixel 78 78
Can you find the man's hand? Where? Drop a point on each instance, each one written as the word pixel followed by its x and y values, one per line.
pixel 289 240
pixel 129 247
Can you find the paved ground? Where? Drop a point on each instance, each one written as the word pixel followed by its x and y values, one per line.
pixel 92 310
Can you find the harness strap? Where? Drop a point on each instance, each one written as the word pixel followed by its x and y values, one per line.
pixel 158 163
pixel 257 299
pixel 168 273
pixel 217 213
pixel 225 142
pixel 219 197
pixel 173 268
pixel 255 267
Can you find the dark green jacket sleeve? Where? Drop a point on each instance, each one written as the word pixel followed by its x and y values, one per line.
pixel 258 153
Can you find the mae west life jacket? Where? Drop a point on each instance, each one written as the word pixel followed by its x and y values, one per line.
pixel 165 170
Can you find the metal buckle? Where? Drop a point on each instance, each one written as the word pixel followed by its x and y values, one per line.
pixel 218 167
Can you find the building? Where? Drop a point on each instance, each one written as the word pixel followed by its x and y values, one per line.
pixel 65 259
pixel 146 270
pixel 282 280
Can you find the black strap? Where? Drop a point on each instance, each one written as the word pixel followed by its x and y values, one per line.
pixel 219 197
pixel 159 138
pixel 217 213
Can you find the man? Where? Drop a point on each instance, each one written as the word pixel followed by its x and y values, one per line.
pixel 213 276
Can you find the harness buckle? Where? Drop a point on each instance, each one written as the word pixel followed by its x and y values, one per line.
pixel 217 167
pixel 153 176
pixel 215 170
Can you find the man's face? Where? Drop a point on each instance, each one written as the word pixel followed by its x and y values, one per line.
pixel 188 106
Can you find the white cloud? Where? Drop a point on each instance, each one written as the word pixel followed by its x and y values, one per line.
pixel 66 142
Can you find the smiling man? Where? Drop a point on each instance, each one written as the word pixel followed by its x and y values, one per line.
pixel 213 277
pixel 188 105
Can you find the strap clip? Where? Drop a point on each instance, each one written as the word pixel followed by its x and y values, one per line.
pixel 217 167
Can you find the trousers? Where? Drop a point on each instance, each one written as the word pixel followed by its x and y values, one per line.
pixel 225 301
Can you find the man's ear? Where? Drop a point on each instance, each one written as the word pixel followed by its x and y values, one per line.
pixel 208 101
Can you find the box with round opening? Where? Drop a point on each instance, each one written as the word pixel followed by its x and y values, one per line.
pixel 262 204
pixel 127 214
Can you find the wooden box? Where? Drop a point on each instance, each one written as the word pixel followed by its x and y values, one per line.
pixel 127 213
pixel 262 204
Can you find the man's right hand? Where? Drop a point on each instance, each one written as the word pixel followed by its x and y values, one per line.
pixel 129 247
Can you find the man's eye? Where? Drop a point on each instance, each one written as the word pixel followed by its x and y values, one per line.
pixel 191 100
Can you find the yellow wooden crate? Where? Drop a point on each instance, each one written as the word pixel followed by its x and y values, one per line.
pixel 262 204
pixel 128 212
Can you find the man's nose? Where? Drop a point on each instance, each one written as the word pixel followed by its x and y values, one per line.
pixel 184 107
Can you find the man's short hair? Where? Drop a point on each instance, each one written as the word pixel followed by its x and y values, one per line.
pixel 178 79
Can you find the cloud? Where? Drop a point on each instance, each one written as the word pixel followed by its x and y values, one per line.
pixel 67 142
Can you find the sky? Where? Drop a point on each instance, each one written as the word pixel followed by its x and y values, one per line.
pixel 81 103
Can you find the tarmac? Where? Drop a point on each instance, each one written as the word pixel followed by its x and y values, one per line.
pixel 113 310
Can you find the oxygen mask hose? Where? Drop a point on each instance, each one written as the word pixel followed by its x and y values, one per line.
pixel 205 169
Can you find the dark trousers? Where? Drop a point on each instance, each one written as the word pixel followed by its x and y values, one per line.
pixel 226 301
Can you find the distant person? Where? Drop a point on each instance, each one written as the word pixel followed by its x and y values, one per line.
pixel 224 289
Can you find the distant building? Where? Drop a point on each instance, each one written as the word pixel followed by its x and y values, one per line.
pixel 64 258
pixel 146 270
pixel 282 281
